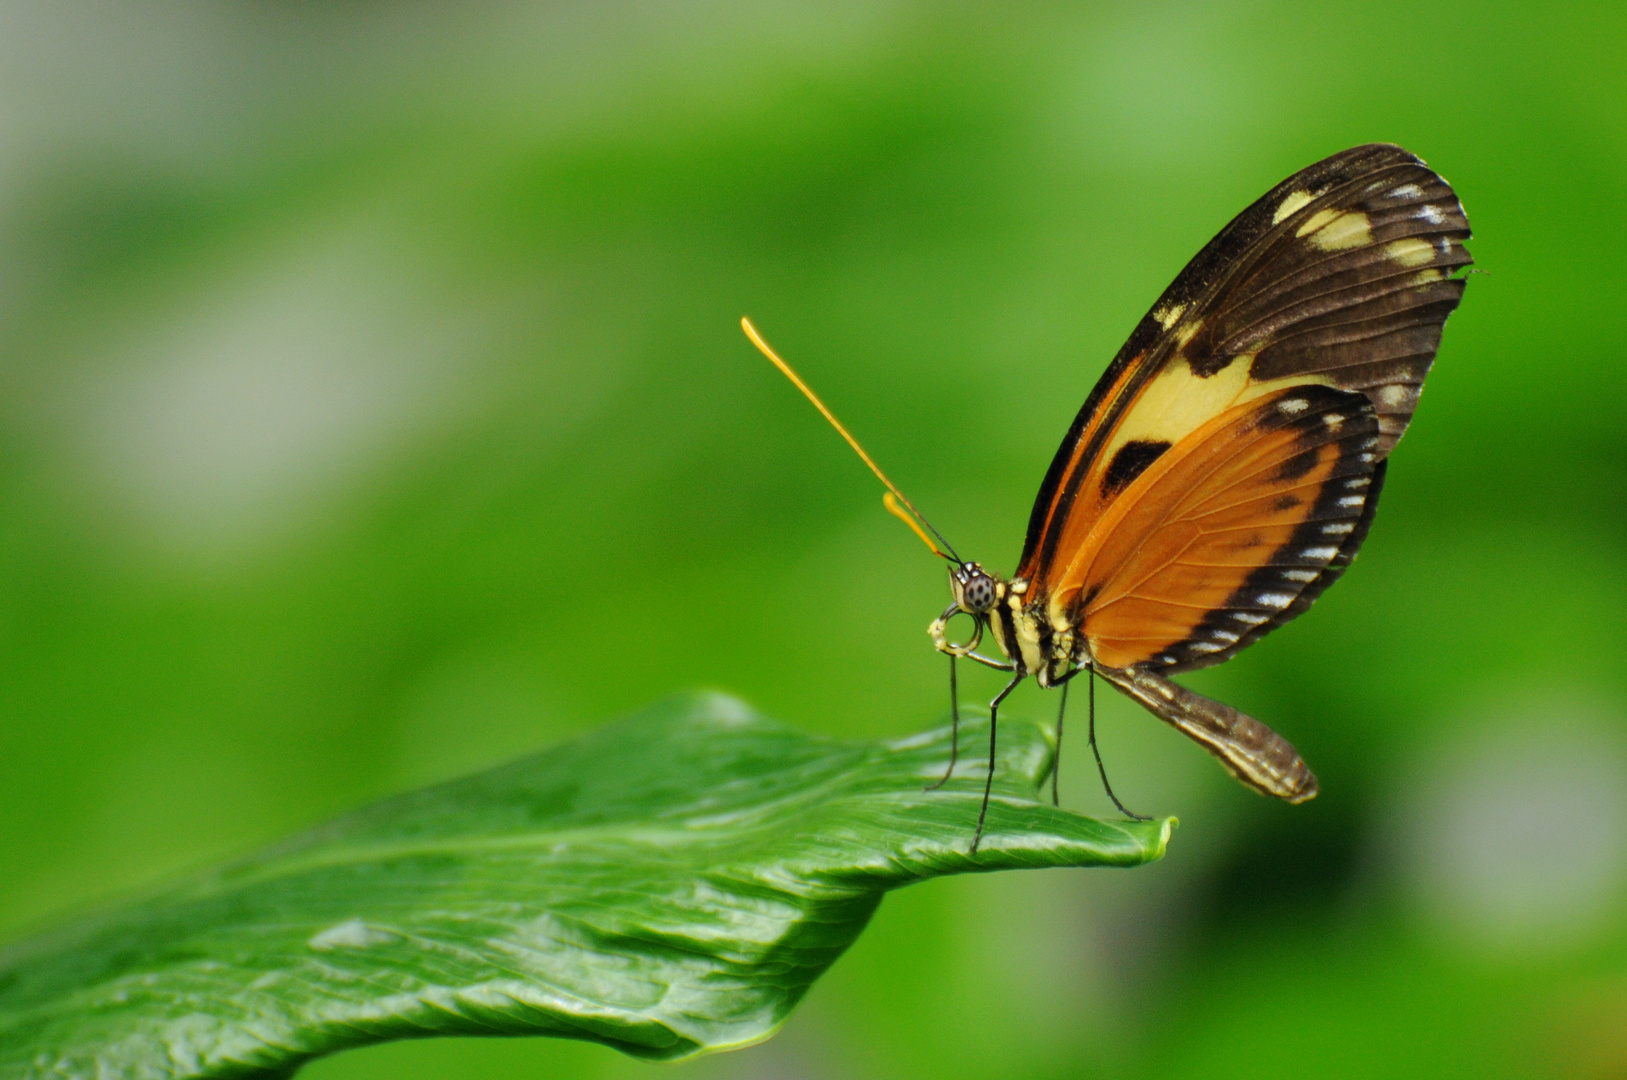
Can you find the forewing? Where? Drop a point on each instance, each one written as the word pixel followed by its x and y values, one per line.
pixel 1230 534
pixel 1339 278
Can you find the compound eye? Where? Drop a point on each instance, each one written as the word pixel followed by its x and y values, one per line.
pixel 979 593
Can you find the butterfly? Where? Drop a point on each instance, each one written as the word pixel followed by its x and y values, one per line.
pixel 1226 467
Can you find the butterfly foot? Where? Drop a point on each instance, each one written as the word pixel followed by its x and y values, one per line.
pixel 1125 810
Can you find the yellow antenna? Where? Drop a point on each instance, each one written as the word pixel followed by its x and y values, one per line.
pixel 892 490
pixel 901 514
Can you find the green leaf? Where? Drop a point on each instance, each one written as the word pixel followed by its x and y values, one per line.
pixel 668 886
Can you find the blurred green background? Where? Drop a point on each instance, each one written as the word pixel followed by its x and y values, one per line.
pixel 373 408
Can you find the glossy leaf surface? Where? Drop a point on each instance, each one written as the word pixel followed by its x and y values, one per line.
pixel 669 885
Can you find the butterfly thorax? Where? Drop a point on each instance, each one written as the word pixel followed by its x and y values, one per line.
pixel 1030 636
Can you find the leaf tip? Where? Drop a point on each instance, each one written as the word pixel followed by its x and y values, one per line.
pixel 1166 827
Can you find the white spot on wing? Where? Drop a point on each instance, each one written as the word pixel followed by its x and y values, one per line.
pixel 1431 214
pixel 1294 405
pixel 1395 394
pixel 1286 208
pixel 1407 191
pixel 1359 482
pixel 1167 317
pixel 1207 646
pixel 1301 575
pixel 1320 552
pixel 1333 420
pixel 1251 618
pixel 1352 500
pixel 1331 230
pixel 1274 599
pixel 1339 528
pixel 1224 635
pixel 1410 251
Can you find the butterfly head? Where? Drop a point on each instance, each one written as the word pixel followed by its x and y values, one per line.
pixel 976 593
pixel 975 589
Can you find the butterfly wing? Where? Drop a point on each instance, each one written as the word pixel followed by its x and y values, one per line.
pixel 1249 750
pixel 1338 278
pixel 1226 467
pixel 1230 533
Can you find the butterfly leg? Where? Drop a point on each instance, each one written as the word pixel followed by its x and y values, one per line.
pixel 988 784
pixel 954 728
pixel 1100 768
pixel 1056 760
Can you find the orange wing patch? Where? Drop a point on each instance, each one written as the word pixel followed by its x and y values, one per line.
pixel 1168 410
pixel 1220 538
